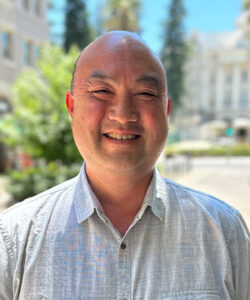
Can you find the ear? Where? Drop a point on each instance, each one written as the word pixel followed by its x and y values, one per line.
pixel 69 103
pixel 169 106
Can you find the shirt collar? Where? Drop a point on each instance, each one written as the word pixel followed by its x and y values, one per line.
pixel 83 197
pixel 85 201
pixel 159 195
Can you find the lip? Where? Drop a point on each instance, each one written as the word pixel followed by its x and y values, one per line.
pixel 121 132
pixel 122 141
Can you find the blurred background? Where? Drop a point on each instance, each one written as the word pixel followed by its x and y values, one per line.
pixel 205 49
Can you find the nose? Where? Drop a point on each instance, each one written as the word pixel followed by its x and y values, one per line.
pixel 123 111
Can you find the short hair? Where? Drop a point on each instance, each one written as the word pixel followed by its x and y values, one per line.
pixel 73 76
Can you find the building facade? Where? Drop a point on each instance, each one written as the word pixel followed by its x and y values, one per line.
pixel 23 29
pixel 217 98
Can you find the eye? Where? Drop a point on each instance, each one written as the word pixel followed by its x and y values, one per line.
pixel 146 95
pixel 101 91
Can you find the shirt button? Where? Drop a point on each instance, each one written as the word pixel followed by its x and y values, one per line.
pixel 123 246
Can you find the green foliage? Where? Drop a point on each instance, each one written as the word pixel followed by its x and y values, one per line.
pixel 214 150
pixel 34 180
pixel 246 4
pixel 122 15
pixel 40 124
pixel 77 29
pixel 174 51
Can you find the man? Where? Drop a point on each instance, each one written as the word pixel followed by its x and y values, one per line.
pixel 119 230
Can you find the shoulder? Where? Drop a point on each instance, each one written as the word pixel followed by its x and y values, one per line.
pixel 215 226
pixel 205 209
pixel 34 207
pixel 200 199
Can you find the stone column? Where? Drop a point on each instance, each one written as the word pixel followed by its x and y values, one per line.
pixel 236 88
pixel 219 89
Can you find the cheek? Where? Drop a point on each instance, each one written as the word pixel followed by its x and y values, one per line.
pixel 91 113
pixel 155 120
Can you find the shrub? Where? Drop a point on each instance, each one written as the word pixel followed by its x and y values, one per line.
pixel 34 180
pixel 213 150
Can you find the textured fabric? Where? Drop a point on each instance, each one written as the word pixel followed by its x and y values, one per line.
pixel 182 244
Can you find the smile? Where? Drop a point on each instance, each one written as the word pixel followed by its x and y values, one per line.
pixel 117 136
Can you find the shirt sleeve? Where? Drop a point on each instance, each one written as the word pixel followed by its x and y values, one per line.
pixel 6 256
pixel 239 249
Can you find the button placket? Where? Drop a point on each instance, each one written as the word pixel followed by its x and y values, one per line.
pixel 123 290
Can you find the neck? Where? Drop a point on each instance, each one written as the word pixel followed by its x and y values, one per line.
pixel 120 196
pixel 118 190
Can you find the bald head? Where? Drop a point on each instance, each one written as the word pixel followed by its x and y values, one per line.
pixel 113 41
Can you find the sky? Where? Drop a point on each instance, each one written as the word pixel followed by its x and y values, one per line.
pixel 208 16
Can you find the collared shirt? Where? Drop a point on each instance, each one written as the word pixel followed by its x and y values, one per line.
pixel 182 245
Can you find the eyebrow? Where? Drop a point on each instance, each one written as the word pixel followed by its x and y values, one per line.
pixel 155 80
pixel 152 79
pixel 100 75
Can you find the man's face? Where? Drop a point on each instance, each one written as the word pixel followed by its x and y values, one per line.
pixel 119 117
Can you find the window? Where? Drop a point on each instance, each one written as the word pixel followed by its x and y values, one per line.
pixel 6 45
pixel 243 102
pixel 244 76
pixel 36 52
pixel 27 57
pixel 228 75
pixel 25 4
pixel 212 79
pixel 4 105
pixel 227 99
pixel 36 4
pixel 229 78
pixel 38 7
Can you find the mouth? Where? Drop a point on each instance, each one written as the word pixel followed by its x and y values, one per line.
pixel 121 137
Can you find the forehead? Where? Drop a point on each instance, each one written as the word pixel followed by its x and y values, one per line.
pixel 119 57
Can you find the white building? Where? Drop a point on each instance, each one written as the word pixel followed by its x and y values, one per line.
pixel 218 84
pixel 23 28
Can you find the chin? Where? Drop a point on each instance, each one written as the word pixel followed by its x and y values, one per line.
pixel 125 167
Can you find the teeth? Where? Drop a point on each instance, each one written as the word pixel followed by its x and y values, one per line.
pixel 121 137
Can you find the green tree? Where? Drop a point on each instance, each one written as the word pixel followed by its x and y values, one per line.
pixel 246 4
pixel 77 29
pixel 122 15
pixel 40 124
pixel 174 51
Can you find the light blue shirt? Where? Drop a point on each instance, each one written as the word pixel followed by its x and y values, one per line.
pixel 182 245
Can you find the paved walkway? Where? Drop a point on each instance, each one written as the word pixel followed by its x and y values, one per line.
pixel 227 178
